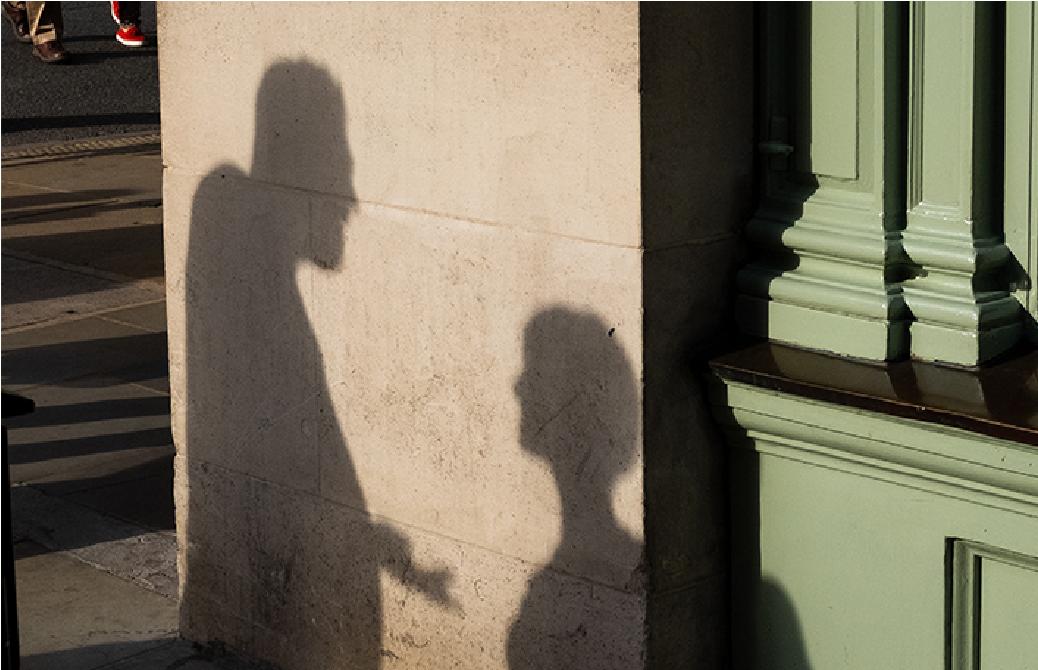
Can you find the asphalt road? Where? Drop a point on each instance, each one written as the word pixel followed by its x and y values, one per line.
pixel 104 88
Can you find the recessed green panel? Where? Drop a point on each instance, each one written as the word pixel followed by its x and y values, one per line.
pixel 1009 616
pixel 834 89
pixel 994 608
pixel 940 84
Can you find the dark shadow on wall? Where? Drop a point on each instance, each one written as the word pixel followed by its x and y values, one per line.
pixel 765 626
pixel 272 567
pixel 782 646
pixel 697 150
pixel 579 413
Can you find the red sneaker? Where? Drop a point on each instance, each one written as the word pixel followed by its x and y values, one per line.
pixel 130 35
pixel 115 10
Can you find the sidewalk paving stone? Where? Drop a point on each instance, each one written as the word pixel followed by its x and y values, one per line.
pixel 150 316
pixel 140 171
pixel 147 501
pixel 132 552
pixel 113 249
pixel 84 335
pixel 25 202
pixel 39 294
pixel 94 350
pixel 76 607
pixel 178 655
pixel 46 213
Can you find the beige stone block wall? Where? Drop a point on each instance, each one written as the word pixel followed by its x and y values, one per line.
pixel 517 115
pixel 409 304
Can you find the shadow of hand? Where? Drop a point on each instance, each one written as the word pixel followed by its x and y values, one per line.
pixel 435 584
pixel 397 559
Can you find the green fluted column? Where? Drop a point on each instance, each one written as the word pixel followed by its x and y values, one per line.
pixel 960 299
pixel 826 236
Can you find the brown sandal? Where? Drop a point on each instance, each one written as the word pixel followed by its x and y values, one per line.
pixel 50 52
pixel 19 21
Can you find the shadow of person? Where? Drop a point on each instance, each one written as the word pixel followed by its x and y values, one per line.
pixel 780 642
pixel 272 566
pixel 579 400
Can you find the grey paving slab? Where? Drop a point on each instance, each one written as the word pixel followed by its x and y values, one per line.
pixel 27 282
pixel 140 172
pixel 159 384
pixel 131 249
pixel 148 317
pixel 91 352
pixel 71 411
pixel 111 352
pixel 178 655
pixel 35 293
pixel 105 458
pixel 19 198
pixel 147 501
pixel 78 658
pixel 85 437
pixel 75 617
pixel 136 554
pixel 28 279
pixel 27 206
pixel 110 222
pixel 149 374
pixel 66 409
pixel 143 469
pixel 10 190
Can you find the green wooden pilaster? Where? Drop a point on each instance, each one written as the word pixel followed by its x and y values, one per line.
pixel 964 312
pixel 827 246
pixel 1021 154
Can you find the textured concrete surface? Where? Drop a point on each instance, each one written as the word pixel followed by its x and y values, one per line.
pixel 515 116
pixel 363 295
pixel 409 330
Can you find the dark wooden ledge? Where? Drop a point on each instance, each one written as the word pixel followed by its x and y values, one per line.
pixel 999 400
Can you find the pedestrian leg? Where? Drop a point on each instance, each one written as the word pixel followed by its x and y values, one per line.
pixel 45 26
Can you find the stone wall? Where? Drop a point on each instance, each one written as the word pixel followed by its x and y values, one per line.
pixel 430 336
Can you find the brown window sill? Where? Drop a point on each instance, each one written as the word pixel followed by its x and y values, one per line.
pixel 999 400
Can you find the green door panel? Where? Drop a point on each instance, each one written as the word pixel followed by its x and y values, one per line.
pixel 848 532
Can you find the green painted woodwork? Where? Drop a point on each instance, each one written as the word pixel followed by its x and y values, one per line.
pixel 862 541
pixel 964 311
pixel 874 243
pixel 993 596
pixel 1021 152
pixel 833 150
pixel 826 232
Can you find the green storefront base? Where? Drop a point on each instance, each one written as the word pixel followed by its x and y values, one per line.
pixel 864 540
